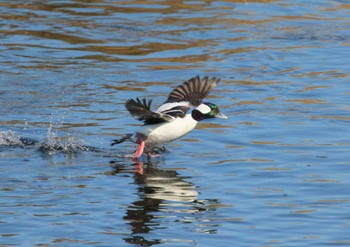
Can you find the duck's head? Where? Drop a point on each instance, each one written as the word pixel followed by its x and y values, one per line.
pixel 207 110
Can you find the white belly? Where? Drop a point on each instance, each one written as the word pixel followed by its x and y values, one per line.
pixel 169 131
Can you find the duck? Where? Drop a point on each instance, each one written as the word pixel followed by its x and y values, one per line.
pixel 172 120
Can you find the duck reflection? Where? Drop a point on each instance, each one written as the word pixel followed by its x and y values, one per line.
pixel 162 191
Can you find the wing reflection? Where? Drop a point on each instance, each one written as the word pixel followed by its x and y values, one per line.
pixel 164 196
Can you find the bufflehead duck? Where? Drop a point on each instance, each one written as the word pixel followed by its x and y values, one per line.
pixel 170 121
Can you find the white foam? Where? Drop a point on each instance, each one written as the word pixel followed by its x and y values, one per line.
pixel 9 137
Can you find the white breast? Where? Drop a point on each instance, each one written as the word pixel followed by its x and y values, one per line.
pixel 169 131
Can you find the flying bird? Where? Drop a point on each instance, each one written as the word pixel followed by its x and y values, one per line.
pixel 171 120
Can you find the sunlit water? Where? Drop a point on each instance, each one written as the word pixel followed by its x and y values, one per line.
pixel 276 173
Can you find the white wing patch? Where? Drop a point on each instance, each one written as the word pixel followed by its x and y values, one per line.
pixel 168 106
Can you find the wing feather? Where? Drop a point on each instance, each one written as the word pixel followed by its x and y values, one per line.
pixel 141 110
pixel 180 100
pixel 194 90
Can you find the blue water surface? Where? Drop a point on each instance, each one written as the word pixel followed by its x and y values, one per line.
pixel 276 173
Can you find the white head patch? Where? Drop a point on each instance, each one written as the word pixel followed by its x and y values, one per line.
pixel 203 108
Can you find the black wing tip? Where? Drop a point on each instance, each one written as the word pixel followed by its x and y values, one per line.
pixel 193 90
pixel 131 101
pixel 210 82
pixel 134 100
pixel 139 102
pixel 139 108
pixel 205 78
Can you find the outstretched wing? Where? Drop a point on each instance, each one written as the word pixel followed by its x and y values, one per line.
pixel 193 91
pixel 141 110
pixel 175 109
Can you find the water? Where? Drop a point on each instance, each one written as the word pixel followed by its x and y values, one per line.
pixel 274 174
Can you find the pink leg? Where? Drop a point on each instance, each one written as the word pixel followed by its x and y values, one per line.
pixel 139 167
pixel 139 150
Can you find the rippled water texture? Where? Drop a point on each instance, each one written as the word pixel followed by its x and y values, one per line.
pixel 276 173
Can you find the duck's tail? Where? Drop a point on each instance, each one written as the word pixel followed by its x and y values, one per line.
pixel 123 139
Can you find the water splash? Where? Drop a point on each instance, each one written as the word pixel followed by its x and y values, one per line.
pixel 67 143
pixel 53 143
pixel 10 138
